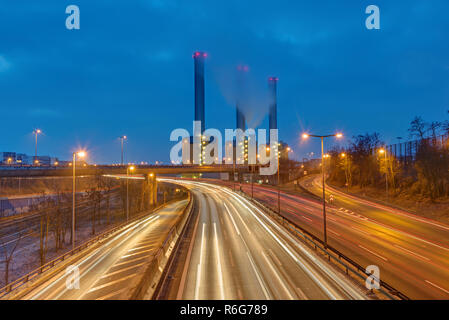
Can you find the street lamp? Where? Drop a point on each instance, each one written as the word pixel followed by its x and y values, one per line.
pixel 128 169
pixel 122 139
pixel 384 152
pixel 80 154
pixel 278 182
pixel 337 135
pixel 345 157
pixel 36 132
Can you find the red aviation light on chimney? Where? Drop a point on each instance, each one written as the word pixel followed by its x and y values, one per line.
pixel 199 54
pixel 273 79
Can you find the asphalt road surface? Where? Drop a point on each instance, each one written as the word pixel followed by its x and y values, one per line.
pixel 237 252
pixel 412 252
pixel 106 272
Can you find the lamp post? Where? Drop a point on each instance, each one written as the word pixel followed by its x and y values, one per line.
pixel 345 157
pixel 122 139
pixel 337 135
pixel 36 132
pixel 276 149
pixel 384 152
pixel 80 154
pixel 128 169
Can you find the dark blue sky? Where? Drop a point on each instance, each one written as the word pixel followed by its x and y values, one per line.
pixel 129 70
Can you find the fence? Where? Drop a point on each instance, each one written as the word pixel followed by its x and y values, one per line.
pixel 406 151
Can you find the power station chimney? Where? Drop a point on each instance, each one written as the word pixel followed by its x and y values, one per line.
pixel 198 58
pixel 240 116
pixel 272 88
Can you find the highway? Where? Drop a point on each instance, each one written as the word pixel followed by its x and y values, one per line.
pixel 237 252
pixel 109 271
pixel 412 252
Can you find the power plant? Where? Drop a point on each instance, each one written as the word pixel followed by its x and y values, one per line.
pixel 198 58
pixel 240 85
pixel 272 103
pixel 199 115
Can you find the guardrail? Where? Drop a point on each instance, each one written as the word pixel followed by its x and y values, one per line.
pixel 155 269
pixel 26 278
pixel 333 254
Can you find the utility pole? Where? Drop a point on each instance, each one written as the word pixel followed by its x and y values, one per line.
pixel 122 139
pixel 337 135
pixel 36 132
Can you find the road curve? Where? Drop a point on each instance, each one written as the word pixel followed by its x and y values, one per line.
pixel 237 252
pixel 411 252
pixel 107 272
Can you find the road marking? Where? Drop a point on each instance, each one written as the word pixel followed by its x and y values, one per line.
pixel 360 230
pixel 336 233
pixel 411 252
pixel 111 283
pixel 259 278
pixel 121 270
pixel 111 294
pixel 436 286
pixel 307 218
pixel 294 257
pixel 231 259
pixel 238 215
pixel 134 249
pixel 187 263
pixel 126 233
pixel 232 219
pixel 133 260
pixel 277 276
pixel 275 258
pixel 301 293
pixel 136 253
pixel 121 233
pixel 220 272
pixel 377 255
pixel 198 273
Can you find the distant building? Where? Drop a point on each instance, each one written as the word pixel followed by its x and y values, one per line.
pixel 24 159
pixel 7 157
pixel 21 159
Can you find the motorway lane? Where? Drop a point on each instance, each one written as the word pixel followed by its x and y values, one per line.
pixel 416 265
pixel 237 252
pixel 108 271
pixel 419 226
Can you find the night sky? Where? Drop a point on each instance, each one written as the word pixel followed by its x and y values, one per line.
pixel 129 70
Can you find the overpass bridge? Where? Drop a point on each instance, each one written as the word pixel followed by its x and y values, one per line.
pixel 147 172
pixel 56 171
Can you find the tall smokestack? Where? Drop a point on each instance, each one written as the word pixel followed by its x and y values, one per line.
pixel 198 58
pixel 240 116
pixel 272 87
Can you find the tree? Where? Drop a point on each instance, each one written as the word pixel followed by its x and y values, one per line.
pixel 8 249
pixel 418 128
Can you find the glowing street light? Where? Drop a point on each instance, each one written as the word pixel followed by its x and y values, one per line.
pixel 80 154
pixel 36 132
pixel 122 139
pixel 384 152
pixel 323 156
